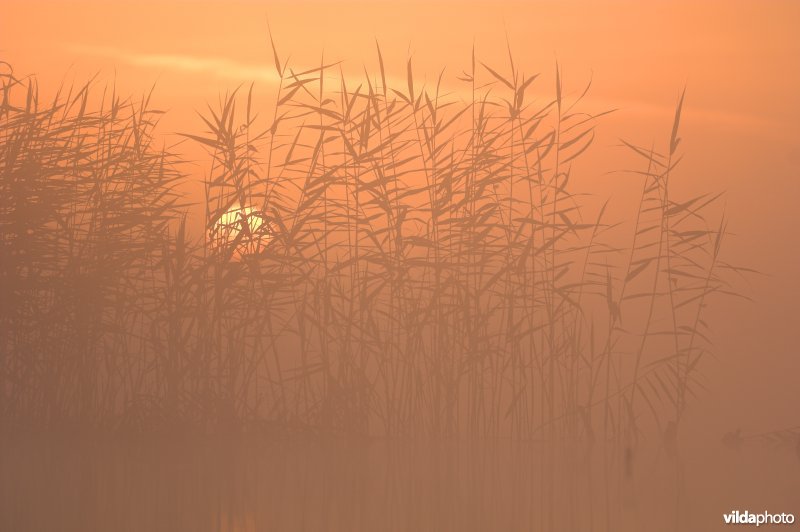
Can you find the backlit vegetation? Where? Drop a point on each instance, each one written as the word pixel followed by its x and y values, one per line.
pixel 401 261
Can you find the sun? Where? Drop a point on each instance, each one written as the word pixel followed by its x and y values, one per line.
pixel 246 229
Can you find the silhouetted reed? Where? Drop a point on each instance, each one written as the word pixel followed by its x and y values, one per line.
pixel 404 261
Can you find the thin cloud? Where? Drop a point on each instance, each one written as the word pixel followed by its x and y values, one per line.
pixel 218 66
pixel 229 69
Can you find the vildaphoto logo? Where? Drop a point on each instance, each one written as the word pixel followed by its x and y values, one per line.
pixel 764 518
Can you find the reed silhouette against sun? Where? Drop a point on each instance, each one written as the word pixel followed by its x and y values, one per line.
pixel 373 259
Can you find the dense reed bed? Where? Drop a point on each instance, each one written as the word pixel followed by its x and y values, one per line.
pixel 404 261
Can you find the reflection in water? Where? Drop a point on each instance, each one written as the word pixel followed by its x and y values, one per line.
pixel 365 486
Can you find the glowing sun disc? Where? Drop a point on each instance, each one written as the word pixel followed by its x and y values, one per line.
pixel 245 226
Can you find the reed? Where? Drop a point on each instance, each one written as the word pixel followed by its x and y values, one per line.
pixel 407 261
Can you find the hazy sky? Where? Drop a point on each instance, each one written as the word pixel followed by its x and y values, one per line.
pixel 738 60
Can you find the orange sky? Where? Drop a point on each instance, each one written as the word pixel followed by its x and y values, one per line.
pixel 738 59
pixel 741 128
